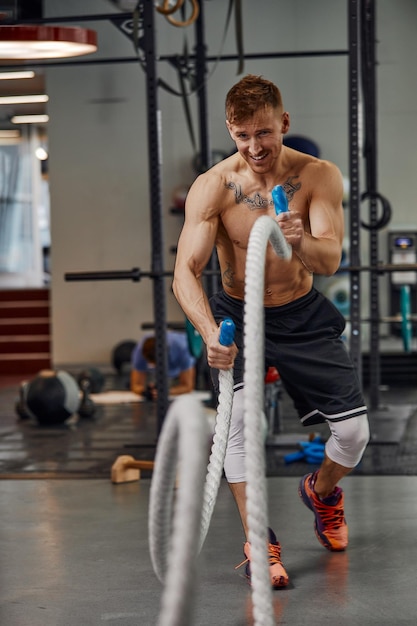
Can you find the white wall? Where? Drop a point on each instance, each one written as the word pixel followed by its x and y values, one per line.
pixel 100 201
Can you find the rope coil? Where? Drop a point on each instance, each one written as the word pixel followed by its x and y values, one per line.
pixel 218 451
pixel 185 426
pixel 264 229
pixel 173 553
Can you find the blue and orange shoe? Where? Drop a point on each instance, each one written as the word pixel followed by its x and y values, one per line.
pixel 278 575
pixel 329 523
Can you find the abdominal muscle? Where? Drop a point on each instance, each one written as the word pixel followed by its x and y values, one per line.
pixel 284 282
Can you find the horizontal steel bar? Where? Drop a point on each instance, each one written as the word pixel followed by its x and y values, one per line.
pixel 75 18
pixel 177 57
pixel 135 274
pixel 391 319
pixel 381 269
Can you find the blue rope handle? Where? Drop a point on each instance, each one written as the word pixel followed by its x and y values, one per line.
pixel 280 199
pixel 227 332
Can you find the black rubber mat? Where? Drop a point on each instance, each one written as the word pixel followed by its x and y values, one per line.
pixel 87 448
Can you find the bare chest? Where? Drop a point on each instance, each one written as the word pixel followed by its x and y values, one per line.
pixel 244 205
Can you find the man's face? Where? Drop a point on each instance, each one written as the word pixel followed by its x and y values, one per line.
pixel 259 138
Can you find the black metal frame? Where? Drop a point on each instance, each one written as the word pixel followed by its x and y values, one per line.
pixel 155 203
pixel 201 60
pixel 355 293
pixel 362 40
pixel 368 41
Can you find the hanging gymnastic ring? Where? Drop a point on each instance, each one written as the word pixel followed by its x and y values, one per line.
pixel 406 326
pixel 194 15
pixel 165 9
pixel 386 210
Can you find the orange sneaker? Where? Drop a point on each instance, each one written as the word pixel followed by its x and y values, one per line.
pixel 277 573
pixel 329 523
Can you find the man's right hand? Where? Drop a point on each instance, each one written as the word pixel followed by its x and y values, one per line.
pixel 218 356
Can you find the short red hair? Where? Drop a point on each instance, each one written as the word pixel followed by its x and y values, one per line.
pixel 251 94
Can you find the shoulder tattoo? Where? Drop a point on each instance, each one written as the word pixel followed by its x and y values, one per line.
pixel 291 187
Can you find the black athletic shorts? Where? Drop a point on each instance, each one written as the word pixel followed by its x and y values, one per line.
pixel 303 341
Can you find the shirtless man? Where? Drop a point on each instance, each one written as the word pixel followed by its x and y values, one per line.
pixel 302 328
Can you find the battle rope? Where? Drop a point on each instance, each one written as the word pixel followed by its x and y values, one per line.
pixel 264 229
pixel 218 452
pixel 186 427
pixel 178 571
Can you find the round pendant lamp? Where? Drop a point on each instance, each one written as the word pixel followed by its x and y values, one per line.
pixel 31 41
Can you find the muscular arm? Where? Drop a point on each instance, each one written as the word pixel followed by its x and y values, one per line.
pixel 317 238
pixel 194 250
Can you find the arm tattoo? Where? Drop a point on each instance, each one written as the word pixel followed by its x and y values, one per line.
pixel 256 202
pixel 228 276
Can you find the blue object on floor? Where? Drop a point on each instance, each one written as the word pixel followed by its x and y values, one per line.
pixel 311 452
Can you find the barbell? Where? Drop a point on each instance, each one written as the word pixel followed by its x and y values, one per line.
pixel 136 274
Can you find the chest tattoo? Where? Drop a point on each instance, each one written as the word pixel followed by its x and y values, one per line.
pixel 255 202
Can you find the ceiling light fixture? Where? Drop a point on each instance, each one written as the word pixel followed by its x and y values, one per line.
pixel 29 119
pixel 10 137
pixel 41 153
pixel 9 134
pixel 31 41
pixel 17 75
pixel 27 99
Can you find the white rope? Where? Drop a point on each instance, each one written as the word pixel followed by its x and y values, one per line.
pixel 185 421
pixel 218 451
pixel 186 427
pixel 256 497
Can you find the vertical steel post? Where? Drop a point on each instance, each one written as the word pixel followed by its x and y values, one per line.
pixel 155 201
pixel 355 295
pixel 368 23
pixel 204 136
pixel 201 74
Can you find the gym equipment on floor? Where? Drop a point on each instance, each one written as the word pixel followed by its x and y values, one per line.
pixel 126 469
pixel 122 354
pixel 51 397
pixel 94 377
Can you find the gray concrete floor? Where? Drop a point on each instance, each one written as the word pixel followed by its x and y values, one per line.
pixel 74 548
pixel 76 553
